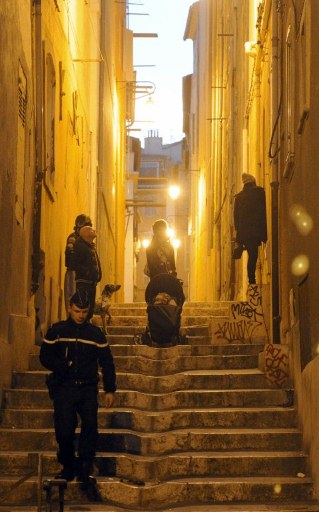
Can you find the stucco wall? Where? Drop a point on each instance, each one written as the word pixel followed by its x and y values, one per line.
pixel 16 179
pixel 88 162
pixel 309 415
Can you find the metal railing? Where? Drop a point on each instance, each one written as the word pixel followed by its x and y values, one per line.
pixel 35 462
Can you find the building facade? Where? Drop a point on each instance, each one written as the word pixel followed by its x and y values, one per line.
pixel 251 105
pixel 66 69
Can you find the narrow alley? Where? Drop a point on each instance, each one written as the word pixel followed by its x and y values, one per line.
pixel 224 415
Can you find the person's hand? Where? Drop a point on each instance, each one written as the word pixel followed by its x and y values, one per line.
pixel 109 399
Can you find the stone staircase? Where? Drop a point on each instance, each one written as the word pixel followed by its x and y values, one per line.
pixel 195 424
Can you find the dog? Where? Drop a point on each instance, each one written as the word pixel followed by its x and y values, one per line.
pixel 103 303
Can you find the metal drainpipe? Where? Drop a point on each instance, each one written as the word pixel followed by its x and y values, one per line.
pixel 99 201
pixel 37 260
pixel 275 309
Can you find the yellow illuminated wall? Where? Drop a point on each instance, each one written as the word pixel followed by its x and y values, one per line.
pixel 84 41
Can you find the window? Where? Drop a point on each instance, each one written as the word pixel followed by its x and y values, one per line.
pixel 289 109
pixel 50 96
pixel 20 174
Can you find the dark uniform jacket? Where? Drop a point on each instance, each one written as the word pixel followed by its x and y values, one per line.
pixel 160 258
pixel 250 214
pixel 74 353
pixel 86 262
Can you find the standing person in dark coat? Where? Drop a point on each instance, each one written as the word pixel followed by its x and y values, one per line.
pixel 160 253
pixel 250 221
pixel 69 280
pixel 87 265
pixel 73 350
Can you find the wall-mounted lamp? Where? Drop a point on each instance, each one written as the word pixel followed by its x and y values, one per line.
pixel 145 34
pixel 140 89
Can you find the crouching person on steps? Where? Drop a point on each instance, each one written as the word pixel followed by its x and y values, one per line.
pixel 73 350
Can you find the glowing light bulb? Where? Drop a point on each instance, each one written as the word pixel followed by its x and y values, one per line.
pixel 304 224
pixel 171 233
pixel 302 220
pixel 300 265
pixel 145 243
pixel 174 191
pixel 296 211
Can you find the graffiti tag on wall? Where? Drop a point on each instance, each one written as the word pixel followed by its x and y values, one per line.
pixel 245 318
pixel 276 364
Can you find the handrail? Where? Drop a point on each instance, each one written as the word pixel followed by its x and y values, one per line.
pixel 35 459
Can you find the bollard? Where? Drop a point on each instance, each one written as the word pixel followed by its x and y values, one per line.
pixel 40 474
pixel 48 485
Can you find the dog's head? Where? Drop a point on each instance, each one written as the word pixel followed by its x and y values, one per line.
pixel 109 289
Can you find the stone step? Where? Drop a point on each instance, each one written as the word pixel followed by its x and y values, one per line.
pixel 195 439
pixel 163 468
pixel 187 310
pixel 145 366
pixel 35 398
pixel 131 330
pixel 180 491
pixel 193 379
pixel 203 349
pixel 129 339
pixel 141 320
pixel 185 350
pixel 170 366
pixel 187 304
pixel 145 421
pixel 196 423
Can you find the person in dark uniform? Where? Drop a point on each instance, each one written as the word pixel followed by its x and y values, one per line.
pixel 69 279
pixel 250 221
pixel 160 253
pixel 73 350
pixel 87 265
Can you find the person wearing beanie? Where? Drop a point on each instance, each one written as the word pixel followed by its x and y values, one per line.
pixel 69 278
pixel 250 221
pixel 74 350
pixel 160 253
pixel 248 178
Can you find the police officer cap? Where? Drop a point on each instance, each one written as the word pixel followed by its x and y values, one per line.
pixel 80 299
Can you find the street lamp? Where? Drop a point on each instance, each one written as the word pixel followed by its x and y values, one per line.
pixel 174 191
pixel 145 243
pixel 171 233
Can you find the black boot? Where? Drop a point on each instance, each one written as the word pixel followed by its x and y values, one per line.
pixel 88 482
pixel 67 473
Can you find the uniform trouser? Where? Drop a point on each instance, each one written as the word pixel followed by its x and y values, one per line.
pixel 70 401
pixel 252 250
pixel 90 290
